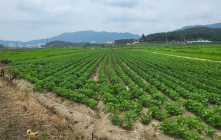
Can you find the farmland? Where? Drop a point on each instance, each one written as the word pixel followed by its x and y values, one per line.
pixel 33 53
pixel 183 95
pixel 203 51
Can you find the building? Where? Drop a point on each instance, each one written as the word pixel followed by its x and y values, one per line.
pixel 199 41
pixel 135 42
pixel 110 43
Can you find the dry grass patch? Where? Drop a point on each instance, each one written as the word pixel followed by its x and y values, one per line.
pixel 20 113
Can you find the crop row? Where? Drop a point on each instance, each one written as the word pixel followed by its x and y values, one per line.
pixel 71 81
pixel 194 103
pixel 157 98
pixel 201 71
pixel 177 76
pixel 158 78
pixel 120 101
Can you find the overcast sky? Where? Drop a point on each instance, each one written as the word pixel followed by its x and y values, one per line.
pixel 26 20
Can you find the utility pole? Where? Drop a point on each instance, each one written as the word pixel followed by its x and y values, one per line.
pixel 47 39
pixel 16 45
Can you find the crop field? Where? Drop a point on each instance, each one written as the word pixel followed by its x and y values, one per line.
pixel 203 51
pixel 32 53
pixel 183 95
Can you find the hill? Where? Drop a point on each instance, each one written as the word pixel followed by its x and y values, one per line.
pixel 81 36
pixel 98 37
pixel 212 34
pixel 216 25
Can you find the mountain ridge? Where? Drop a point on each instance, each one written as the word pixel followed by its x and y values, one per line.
pixel 215 25
pixel 191 34
pixel 79 36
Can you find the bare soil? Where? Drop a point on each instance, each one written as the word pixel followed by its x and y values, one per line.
pixel 95 74
pixel 19 113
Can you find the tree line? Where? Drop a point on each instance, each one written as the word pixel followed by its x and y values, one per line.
pixel 62 44
pixel 123 41
pixel 191 34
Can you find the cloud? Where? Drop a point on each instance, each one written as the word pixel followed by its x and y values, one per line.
pixel 205 7
pixel 117 3
pixel 27 19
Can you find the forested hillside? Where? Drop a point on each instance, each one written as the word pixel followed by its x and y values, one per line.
pixel 216 25
pixel 212 34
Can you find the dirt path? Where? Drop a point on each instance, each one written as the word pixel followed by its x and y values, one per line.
pixel 18 114
pixel 188 57
pixel 95 74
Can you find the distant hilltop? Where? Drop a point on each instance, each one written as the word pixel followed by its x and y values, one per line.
pixel 81 36
pixel 216 25
pixel 190 34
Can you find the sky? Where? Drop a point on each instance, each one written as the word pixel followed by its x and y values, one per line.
pixel 25 20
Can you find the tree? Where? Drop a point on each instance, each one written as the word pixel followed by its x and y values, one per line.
pixel 212 34
pixel 143 37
